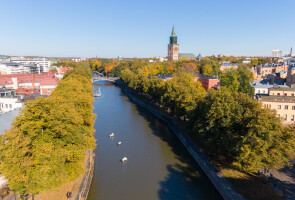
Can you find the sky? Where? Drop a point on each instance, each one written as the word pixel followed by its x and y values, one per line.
pixel 141 28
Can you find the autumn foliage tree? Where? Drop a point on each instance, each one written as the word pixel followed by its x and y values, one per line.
pixel 46 144
pixel 228 120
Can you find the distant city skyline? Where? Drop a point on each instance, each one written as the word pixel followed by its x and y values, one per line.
pixel 111 28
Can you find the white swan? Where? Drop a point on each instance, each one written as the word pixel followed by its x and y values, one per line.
pixel 119 143
pixel 124 159
pixel 112 135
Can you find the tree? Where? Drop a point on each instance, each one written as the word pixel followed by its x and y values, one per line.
pixel 236 126
pixel 238 80
pixel 246 79
pixel 207 70
pixel 189 67
pixel 46 144
pixel 230 80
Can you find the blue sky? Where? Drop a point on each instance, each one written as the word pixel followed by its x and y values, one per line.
pixel 141 28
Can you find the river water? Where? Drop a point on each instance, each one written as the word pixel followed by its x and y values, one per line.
pixel 158 165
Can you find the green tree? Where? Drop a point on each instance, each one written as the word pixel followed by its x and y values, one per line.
pixel 207 70
pixel 46 144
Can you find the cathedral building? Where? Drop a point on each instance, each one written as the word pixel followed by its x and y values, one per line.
pixel 173 47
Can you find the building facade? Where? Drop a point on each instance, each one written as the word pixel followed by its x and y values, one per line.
pixel 228 65
pixel 277 54
pixel 261 88
pixel 42 63
pixel 291 76
pixel 173 47
pixel 281 99
pixel 264 70
pixel 4 59
pixel 8 100
pixel 207 81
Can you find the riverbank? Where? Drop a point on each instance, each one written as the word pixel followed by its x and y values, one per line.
pixel 222 185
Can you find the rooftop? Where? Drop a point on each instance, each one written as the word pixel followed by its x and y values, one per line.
pixel 259 85
pixel 269 65
pixel 6 90
pixel 199 56
pixel 187 55
pixel 205 77
pixel 4 57
pixel 290 99
pixel 281 88
pixel 230 64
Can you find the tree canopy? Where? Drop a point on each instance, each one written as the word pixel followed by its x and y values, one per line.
pixel 46 144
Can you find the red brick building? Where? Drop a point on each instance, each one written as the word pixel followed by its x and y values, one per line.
pixel 208 81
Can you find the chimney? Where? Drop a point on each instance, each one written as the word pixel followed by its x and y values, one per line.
pixel 33 81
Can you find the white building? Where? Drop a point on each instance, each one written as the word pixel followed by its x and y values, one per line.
pixel 78 59
pixel 277 53
pixel 4 59
pixel 11 68
pixel 19 68
pixel 261 88
pixel 8 100
pixel 42 63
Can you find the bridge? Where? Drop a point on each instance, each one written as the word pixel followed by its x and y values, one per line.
pixel 105 78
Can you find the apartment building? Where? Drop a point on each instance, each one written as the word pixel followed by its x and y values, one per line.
pixel 281 99
pixel 42 63
pixel 277 54
pixel 264 70
pixel 228 65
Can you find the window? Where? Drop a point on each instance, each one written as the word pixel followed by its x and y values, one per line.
pixel 292 94
pixel 6 105
pixel 278 94
pixel 293 107
pixel 286 107
pixel 285 94
pixel 279 106
pixel 258 91
pixel 285 116
pixel 10 105
pixel 292 117
pixel 263 91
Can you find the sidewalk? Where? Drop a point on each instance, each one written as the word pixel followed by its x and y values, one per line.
pixel 285 181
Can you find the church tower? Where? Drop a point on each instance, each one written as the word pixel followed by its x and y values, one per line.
pixel 173 47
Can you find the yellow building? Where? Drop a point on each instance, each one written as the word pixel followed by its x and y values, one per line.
pixel 281 99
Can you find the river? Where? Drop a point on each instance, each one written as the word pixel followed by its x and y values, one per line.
pixel 158 165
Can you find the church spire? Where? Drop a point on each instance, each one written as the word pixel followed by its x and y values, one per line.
pixel 173 34
pixel 173 37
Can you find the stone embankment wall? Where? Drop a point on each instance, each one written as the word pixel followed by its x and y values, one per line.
pixel 222 185
pixel 86 183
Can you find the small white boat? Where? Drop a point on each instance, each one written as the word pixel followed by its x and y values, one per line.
pixel 119 143
pixel 124 159
pixel 112 135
